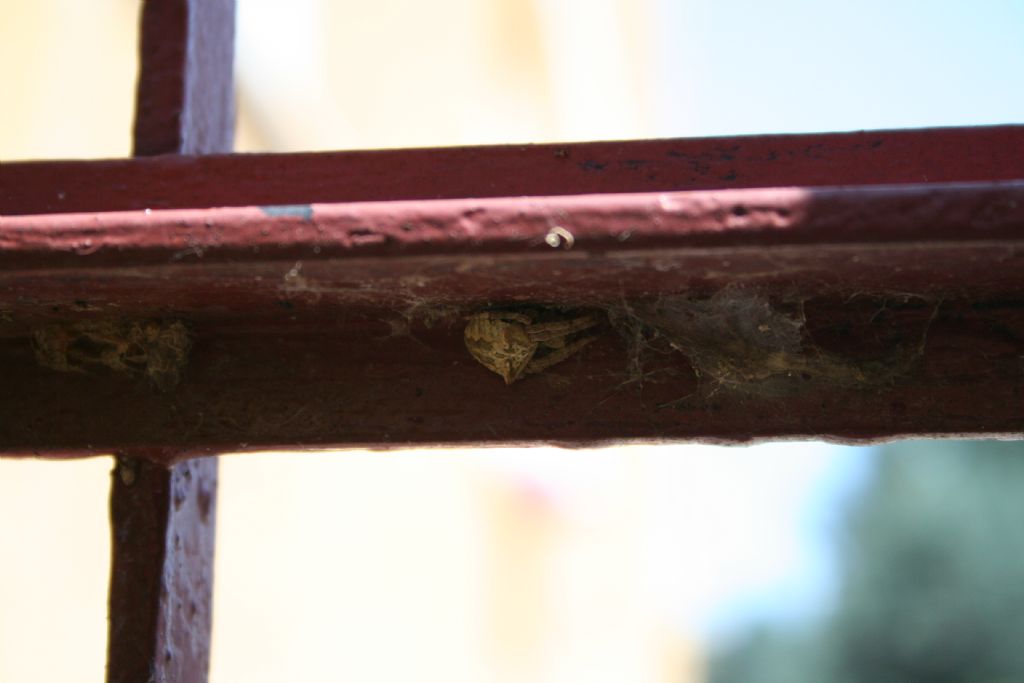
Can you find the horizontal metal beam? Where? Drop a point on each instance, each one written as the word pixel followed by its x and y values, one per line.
pixel 573 227
pixel 841 313
pixel 870 157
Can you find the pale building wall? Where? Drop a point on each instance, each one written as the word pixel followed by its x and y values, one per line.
pixel 67 72
pixel 403 73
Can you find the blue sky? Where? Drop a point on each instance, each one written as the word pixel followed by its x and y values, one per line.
pixel 730 535
pixel 748 66
pixel 770 514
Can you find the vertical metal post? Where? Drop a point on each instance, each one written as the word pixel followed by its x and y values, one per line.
pixel 163 519
pixel 161 583
pixel 185 98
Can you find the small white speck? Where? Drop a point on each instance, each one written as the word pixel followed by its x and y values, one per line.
pixel 148 211
pixel 559 237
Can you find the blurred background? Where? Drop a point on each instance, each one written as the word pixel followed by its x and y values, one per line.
pixel 780 562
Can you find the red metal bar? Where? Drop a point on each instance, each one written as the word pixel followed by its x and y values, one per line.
pixel 194 240
pixel 163 524
pixel 873 157
pixel 185 98
pixel 163 517
pixel 885 312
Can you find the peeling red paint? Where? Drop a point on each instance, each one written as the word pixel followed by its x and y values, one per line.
pixel 869 215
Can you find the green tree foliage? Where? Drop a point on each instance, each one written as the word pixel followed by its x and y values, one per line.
pixel 932 588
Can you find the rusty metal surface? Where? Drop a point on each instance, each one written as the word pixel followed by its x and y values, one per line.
pixel 880 312
pixel 815 160
pixel 163 522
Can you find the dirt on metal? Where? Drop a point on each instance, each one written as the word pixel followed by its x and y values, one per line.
pixel 155 349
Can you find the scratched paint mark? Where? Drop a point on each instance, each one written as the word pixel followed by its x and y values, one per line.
pixel 303 211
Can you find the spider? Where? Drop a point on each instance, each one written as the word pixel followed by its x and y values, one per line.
pixel 518 343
